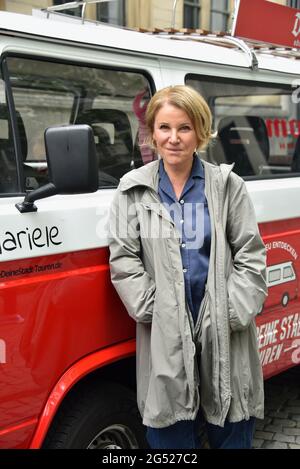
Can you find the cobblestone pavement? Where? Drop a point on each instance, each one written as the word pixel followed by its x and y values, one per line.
pixel 281 427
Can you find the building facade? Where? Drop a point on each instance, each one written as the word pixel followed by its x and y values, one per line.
pixel 212 15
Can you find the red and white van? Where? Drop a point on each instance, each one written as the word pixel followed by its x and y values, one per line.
pixel 67 345
pixel 282 284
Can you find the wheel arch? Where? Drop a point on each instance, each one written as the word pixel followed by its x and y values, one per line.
pixel 116 363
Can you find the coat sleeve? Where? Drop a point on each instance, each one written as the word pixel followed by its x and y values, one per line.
pixel 246 285
pixel 133 284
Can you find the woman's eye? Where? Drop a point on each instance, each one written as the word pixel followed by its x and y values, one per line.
pixel 185 128
pixel 163 127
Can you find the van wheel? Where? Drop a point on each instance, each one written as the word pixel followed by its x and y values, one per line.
pixel 102 416
pixel 285 299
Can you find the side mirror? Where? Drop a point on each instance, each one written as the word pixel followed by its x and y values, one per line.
pixel 72 164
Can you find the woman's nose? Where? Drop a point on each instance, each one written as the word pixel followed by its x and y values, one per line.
pixel 174 137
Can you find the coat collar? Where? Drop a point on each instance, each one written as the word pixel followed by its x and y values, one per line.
pixel 148 175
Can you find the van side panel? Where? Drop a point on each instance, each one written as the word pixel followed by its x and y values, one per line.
pixel 53 311
pixel 278 325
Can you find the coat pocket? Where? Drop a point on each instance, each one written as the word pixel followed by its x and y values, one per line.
pixel 198 326
pixel 208 360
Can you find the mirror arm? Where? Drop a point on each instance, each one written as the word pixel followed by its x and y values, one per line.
pixel 28 205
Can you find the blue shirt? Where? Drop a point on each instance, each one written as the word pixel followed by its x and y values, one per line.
pixel 191 217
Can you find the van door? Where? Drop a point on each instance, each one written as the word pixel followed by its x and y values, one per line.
pixel 57 303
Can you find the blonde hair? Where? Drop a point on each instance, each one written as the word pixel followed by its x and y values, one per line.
pixel 190 101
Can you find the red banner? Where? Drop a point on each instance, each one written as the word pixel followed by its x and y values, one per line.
pixel 267 22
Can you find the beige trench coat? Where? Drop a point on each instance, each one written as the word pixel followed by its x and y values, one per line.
pixel 146 270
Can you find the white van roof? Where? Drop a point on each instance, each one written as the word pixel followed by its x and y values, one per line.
pixel 61 28
pixel 280 265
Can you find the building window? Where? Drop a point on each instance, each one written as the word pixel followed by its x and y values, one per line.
pixel 219 15
pixel 111 12
pixel 72 11
pixel 192 14
pixel 294 3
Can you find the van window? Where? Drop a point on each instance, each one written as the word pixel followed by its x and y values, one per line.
pixel 274 275
pixel 112 102
pixel 258 126
pixel 287 272
pixel 8 169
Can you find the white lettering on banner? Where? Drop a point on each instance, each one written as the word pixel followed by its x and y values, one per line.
pixel 296 353
pixel 296 29
pixel 2 351
pixel 269 333
pixel 282 245
pixel 270 354
pixel 290 327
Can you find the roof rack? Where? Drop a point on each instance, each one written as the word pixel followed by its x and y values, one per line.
pixel 201 35
pixel 251 48
pixel 222 39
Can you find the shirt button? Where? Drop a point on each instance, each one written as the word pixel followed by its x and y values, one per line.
pixel 184 271
pixel 182 201
pixel 183 245
pixel 182 221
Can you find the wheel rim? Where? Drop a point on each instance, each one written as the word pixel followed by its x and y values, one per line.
pixel 114 437
pixel 285 300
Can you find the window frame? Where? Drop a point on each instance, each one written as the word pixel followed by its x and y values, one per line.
pixel 12 110
pixel 289 269
pixel 120 5
pixel 224 12
pixel 195 7
pixel 76 11
pixel 277 279
pixel 15 131
pixel 294 4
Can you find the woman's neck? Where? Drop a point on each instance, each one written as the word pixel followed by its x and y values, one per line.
pixel 178 175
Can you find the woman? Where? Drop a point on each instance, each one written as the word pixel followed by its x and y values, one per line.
pixel 188 262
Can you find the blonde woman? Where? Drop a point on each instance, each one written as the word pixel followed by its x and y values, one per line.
pixel 188 262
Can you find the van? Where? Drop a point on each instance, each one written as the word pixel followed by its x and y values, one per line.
pixel 67 343
pixel 282 284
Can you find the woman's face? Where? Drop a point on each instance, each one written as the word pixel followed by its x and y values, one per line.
pixel 174 136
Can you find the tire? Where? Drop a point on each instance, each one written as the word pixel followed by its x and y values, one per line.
pixel 285 299
pixel 100 416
